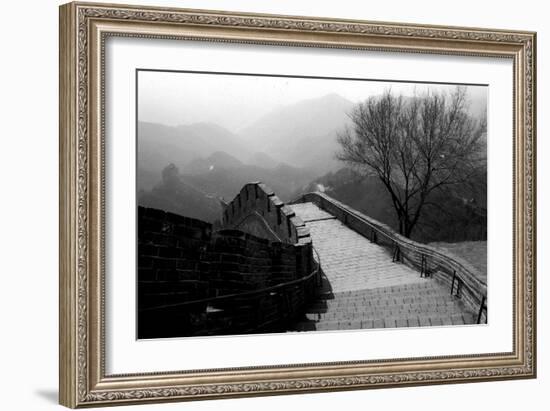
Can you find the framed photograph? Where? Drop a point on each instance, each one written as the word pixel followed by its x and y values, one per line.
pixel 260 204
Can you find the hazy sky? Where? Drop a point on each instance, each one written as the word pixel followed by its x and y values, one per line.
pixel 235 101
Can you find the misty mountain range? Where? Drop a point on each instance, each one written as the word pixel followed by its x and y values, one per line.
pixel 286 149
pixel 188 169
pixel 301 135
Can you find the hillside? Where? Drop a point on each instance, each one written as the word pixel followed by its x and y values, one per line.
pixel 221 175
pixel 455 218
pixel 262 159
pixel 216 160
pixel 159 145
pixel 475 252
pixel 173 194
pixel 364 193
pixel 196 189
pixel 301 134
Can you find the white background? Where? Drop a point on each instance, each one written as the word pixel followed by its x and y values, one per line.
pixel 28 215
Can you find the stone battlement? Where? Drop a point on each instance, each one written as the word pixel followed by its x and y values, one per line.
pixel 257 210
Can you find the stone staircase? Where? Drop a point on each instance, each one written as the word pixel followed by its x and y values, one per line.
pixel 419 304
pixel 364 288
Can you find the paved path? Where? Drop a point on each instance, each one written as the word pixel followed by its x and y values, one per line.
pixel 365 289
pixel 349 260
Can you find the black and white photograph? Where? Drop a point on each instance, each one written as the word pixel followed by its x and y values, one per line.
pixel 280 203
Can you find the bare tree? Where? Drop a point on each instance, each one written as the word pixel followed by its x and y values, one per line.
pixel 415 145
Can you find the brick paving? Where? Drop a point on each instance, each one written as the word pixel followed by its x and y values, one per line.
pixel 363 288
pixel 349 260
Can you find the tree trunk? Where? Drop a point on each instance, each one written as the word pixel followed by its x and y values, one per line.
pixel 408 226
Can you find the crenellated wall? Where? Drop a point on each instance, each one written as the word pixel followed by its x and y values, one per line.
pixel 257 210
pixel 186 269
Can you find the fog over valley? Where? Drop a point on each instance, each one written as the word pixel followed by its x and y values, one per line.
pixel 196 150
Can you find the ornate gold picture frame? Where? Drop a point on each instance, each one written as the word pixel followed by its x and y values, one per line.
pixel 84 30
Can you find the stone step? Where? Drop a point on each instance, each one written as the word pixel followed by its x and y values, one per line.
pixel 392 312
pixel 386 300
pixel 393 322
pixel 399 301
pixel 426 287
pixel 373 313
pixel 424 308
pixel 417 304
pixel 423 305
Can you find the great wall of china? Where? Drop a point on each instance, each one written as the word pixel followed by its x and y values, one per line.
pixel 313 264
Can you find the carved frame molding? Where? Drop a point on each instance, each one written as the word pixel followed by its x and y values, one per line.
pixel 83 29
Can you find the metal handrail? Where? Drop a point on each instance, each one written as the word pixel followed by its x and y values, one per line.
pixel 317 255
pixel 319 280
pixel 238 295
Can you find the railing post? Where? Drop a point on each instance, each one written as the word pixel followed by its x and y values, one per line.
pixel 395 256
pixel 458 287
pixel 481 307
pixel 423 266
pixel 453 283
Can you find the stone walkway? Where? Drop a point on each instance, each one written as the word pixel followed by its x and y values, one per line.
pixel 350 261
pixel 365 289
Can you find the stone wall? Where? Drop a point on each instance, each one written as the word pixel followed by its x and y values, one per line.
pixel 170 249
pixel 257 210
pixel 184 267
